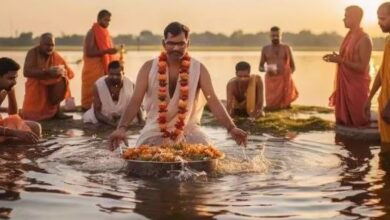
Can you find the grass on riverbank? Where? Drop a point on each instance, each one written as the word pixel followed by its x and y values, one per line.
pixel 282 122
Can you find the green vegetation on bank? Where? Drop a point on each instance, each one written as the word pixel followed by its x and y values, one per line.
pixel 238 40
pixel 281 123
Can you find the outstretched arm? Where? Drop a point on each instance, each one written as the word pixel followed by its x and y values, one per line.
pixel 133 107
pixel 217 108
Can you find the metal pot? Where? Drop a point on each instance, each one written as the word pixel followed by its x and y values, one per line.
pixel 141 168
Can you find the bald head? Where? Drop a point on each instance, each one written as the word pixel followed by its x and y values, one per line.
pixel 384 17
pixel 46 44
pixel 385 6
pixel 355 12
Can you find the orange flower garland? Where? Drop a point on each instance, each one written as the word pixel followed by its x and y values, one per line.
pixel 162 95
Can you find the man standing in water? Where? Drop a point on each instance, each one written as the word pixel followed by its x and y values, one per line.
pixel 278 63
pixel 98 53
pixel 173 84
pixel 382 79
pixel 352 76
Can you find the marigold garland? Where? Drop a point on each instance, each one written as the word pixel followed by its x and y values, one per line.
pixel 162 95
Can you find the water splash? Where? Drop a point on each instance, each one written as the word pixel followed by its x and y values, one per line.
pixel 255 163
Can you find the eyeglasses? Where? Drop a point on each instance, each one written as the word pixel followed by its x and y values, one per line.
pixel 171 44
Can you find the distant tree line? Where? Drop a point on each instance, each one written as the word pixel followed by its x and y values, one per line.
pixel 304 38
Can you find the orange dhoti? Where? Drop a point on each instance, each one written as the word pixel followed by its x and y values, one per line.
pixel 352 87
pixel 384 96
pixel 95 67
pixel 13 122
pixel 36 105
pixel 92 70
pixel 280 90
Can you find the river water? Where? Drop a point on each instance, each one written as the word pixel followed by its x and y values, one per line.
pixel 315 175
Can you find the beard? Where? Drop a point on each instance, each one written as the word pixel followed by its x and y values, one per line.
pixel 176 54
pixel 275 42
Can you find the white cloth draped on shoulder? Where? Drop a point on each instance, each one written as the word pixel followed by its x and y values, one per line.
pixel 109 107
pixel 151 134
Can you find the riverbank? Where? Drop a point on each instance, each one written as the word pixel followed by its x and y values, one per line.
pixel 280 123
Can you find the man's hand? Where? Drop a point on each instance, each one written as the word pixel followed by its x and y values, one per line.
pixel 333 58
pixel 111 51
pixel 117 137
pixel 25 136
pixel 239 136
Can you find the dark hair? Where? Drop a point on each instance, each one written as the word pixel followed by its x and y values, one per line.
pixel 103 13
pixel 114 64
pixel 7 64
pixel 242 65
pixel 275 28
pixel 176 28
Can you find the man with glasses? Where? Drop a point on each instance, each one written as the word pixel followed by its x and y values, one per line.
pixel 172 85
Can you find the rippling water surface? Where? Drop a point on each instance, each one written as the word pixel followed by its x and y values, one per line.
pixel 313 176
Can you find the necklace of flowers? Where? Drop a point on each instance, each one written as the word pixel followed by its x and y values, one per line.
pixel 163 92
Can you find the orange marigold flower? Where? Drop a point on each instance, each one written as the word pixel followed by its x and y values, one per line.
pixel 162 77
pixel 185 63
pixel 182 103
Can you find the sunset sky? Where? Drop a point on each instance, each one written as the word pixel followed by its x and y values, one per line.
pixel 225 16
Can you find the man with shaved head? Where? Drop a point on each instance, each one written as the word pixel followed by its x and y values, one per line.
pixel 382 79
pixel 47 82
pixel 352 76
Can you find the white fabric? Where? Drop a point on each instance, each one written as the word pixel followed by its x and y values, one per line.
pixel 109 107
pixel 151 134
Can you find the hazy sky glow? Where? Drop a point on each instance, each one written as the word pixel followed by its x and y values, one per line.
pixel 225 16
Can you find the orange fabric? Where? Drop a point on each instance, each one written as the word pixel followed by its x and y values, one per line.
pixel 36 106
pixel 352 87
pixel 92 71
pixel 280 90
pixel 103 42
pixel 384 95
pixel 13 122
pixel 95 67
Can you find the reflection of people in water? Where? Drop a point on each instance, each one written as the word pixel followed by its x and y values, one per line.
pixel 356 167
pixel 171 200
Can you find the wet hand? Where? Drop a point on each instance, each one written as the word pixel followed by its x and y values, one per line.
pixel 118 136
pixel 26 136
pixel 239 136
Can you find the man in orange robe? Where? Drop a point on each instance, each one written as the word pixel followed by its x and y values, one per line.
pixel 13 128
pixel 98 53
pixel 278 63
pixel 47 81
pixel 352 77
pixel 382 80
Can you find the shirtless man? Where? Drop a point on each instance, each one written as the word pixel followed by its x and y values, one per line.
pixel 245 93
